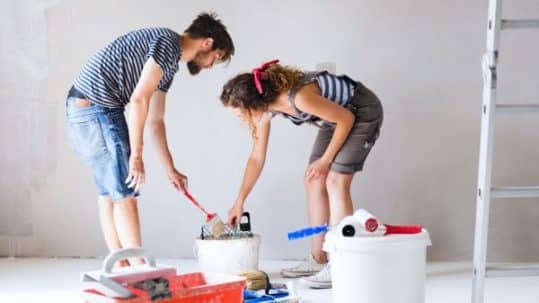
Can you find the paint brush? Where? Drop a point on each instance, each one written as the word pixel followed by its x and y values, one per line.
pixel 213 223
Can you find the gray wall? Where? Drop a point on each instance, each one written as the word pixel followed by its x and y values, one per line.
pixel 421 57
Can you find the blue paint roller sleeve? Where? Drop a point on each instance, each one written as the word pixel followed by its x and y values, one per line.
pixel 307 232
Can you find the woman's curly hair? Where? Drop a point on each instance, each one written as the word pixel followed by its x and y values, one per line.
pixel 240 91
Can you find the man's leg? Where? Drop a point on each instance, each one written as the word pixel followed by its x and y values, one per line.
pixel 127 224
pixel 106 218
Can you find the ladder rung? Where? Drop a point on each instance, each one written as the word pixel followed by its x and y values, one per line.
pixel 515 192
pixel 512 271
pixel 513 108
pixel 523 23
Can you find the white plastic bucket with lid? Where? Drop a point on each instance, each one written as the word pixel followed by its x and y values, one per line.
pixel 378 269
pixel 230 256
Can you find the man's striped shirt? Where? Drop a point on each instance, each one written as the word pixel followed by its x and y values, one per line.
pixel 111 75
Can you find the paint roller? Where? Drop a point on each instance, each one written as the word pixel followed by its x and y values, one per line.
pixel 367 220
pixel 349 226
pixel 371 226
pixel 361 223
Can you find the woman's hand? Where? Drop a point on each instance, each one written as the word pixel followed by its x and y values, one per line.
pixel 317 169
pixel 234 214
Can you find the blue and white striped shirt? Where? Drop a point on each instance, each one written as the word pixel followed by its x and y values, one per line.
pixel 110 76
pixel 339 89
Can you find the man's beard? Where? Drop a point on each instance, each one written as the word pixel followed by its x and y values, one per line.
pixel 193 67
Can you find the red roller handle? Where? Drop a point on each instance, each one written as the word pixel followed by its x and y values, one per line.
pixel 403 229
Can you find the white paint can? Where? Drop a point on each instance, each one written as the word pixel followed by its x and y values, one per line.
pixel 378 269
pixel 230 256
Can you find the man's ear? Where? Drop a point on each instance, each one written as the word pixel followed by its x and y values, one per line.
pixel 207 44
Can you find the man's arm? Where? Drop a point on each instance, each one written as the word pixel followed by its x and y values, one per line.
pixel 139 103
pixel 158 130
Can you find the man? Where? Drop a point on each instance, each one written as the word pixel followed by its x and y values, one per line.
pixel 136 68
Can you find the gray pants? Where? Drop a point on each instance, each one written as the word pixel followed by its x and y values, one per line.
pixel 369 116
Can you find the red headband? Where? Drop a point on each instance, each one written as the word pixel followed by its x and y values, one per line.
pixel 257 74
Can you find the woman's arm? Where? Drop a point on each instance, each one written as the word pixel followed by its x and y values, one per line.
pixel 307 100
pixel 254 167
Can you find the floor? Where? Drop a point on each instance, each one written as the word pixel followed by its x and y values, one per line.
pixel 28 280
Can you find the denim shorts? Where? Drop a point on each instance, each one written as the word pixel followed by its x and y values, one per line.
pixel 99 135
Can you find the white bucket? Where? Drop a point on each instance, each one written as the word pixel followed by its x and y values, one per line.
pixel 378 269
pixel 230 256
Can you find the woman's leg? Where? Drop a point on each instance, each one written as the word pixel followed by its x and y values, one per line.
pixel 318 213
pixel 340 206
pixel 340 199
pixel 329 200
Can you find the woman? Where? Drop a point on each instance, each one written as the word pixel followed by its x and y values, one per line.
pixel 349 116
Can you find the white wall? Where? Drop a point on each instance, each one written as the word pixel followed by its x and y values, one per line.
pixel 421 57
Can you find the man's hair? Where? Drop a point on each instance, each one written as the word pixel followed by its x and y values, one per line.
pixel 206 25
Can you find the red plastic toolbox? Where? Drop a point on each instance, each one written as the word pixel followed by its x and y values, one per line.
pixel 195 287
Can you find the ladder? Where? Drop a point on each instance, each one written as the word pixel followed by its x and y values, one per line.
pixel 485 191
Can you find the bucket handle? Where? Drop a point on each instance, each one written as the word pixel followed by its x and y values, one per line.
pixel 247 225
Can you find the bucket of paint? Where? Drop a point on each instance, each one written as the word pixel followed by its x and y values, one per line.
pixel 230 256
pixel 378 269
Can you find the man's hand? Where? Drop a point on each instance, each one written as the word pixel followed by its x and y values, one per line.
pixel 179 180
pixel 136 177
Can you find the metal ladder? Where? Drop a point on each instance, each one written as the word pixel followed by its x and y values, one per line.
pixel 484 189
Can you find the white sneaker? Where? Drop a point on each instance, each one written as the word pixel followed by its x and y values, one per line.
pixel 320 280
pixel 307 267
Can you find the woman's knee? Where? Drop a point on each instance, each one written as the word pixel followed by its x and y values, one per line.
pixel 314 183
pixel 338 182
